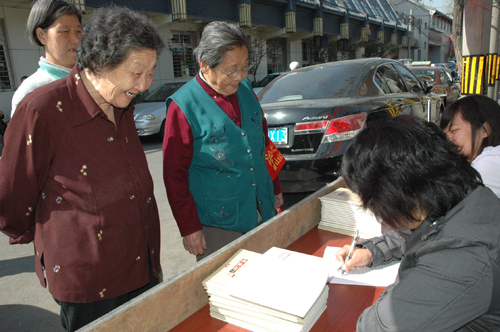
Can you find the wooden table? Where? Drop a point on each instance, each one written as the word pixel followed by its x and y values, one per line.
pixel 345 302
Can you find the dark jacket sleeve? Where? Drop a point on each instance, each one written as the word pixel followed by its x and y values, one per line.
pixel 385 248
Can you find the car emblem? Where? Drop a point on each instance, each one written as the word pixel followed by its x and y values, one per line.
pixel 314 118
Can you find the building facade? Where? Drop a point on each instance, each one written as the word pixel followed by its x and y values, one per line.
pixel 429 30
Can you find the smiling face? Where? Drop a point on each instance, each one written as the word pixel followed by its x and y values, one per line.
pixel 459 132
pixel 234 59
pixel 61 39
pixel 117 87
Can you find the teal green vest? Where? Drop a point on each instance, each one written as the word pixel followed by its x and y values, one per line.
pixel 228 175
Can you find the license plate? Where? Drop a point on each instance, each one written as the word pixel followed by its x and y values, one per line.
pixel 278 135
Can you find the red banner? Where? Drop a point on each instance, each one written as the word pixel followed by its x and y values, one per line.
pixel 274 159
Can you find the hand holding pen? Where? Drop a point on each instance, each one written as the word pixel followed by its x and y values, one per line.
pixel 341 253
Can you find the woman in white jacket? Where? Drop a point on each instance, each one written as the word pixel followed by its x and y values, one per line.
pixel 473 124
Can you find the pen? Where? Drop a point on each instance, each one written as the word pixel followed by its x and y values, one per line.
pixel 351 249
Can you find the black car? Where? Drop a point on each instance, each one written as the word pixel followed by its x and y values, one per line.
pixel 313 112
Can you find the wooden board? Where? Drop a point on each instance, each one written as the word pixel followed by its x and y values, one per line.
pixel 172 301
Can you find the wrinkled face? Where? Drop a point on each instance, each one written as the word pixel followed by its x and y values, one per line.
pixel 234 59
pixel 61 39
pixel 459 132
pixel 134 75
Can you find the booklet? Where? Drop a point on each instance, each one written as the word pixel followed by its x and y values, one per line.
pixel 282 280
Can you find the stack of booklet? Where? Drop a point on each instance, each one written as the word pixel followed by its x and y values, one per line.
pixel 280 290
pixel 341 212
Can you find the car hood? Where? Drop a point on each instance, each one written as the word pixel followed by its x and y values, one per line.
pixel 288 112
pixel 148 108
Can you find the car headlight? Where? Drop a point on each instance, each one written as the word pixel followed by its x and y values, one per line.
pixel 145 117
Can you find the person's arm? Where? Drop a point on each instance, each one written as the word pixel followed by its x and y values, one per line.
pixel 385 248
pixel 177 157
pixel 446 289
pixel 374 251
pixel 23 171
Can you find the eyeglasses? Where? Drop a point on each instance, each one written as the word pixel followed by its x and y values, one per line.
pixel 233 73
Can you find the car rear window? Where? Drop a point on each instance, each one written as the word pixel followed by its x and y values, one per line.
pixel 425 72
pixel 316 82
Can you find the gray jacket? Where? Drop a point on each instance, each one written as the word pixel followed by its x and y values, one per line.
pixel 449 278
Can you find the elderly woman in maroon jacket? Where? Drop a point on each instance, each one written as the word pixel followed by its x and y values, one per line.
pixel 74 177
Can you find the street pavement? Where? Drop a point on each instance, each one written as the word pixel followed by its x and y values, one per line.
pixel 25 306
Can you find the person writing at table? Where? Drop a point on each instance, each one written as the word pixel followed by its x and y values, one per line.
pixel 473 124
pixel 410 176
pixel 74 177
pixel 57 26
pixel 214 163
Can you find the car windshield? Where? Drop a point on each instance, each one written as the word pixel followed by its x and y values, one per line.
pixel 163 92
pixel 424 72
pixel 316 82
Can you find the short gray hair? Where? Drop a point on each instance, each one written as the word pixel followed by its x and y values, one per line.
pixel 218 38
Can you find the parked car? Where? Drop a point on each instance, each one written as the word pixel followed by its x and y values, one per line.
pixel 314 112
pixel 265 81
pixel 150 114
pixel 441 80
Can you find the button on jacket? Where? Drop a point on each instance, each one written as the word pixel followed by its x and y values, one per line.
pixel 81 188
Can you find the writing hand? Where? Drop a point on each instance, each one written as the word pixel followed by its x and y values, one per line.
pixel 195 243
pixel 361 257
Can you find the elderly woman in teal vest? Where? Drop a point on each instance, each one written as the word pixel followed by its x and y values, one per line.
pixel 214 164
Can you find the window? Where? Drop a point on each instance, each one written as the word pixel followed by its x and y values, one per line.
pixel 425 45
pixel 306 52
pixel 6 78
pixel 182 44
pixel 408 77
pixel 388 80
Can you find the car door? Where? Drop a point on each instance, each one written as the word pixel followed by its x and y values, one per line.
pixel 426 106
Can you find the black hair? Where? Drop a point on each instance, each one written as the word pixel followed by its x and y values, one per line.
pixel 45 12
pixel 111 34
pixel 476 110
pixel 404 167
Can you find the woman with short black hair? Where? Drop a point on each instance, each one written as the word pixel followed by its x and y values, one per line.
pixel 411 177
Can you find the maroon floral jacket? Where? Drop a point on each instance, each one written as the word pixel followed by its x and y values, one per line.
pixel 80 187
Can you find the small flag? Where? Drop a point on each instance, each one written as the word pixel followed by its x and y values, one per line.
pixel 274 159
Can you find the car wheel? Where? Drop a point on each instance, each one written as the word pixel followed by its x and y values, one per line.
pixel 161 134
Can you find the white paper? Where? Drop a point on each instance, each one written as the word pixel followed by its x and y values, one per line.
pixel 382 275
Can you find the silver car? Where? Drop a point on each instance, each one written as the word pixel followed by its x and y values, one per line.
pixel 150 114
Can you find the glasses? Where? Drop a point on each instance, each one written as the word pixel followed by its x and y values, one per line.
pixel 233 73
